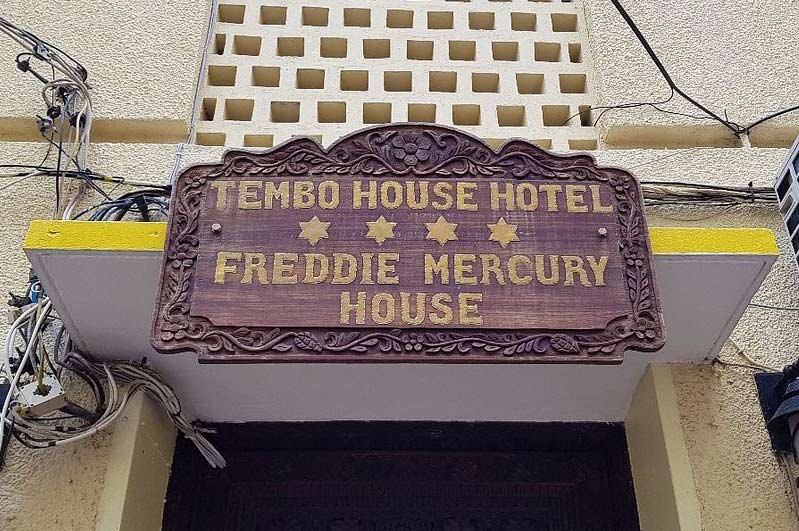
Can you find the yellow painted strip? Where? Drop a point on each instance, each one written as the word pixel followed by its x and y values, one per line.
pixel 96 236
pixel 674 240
pixel 132 236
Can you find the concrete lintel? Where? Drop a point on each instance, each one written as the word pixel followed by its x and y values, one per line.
pixel 662 473
pixel 138 469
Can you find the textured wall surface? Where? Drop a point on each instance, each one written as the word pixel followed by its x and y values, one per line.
pixel 142 58
pixel 735 56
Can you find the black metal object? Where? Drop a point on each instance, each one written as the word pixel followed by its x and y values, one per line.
pixel 406 475
pixel 771 394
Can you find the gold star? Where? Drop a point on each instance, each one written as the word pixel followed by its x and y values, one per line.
pixel 380 230
pixel 502 232
pixel 441 231
pixel 314 230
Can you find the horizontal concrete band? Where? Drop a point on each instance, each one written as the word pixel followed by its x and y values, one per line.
pixel 134 236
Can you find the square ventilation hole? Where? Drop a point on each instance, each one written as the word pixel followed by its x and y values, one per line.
pixel 462 50
pixel 397 81
pixel 231 14
pixel 545 143
pixel 530 83
pixel 221 76
pixel 310 78
pixel 399 18
pixel 265 76
pixel 239 110
pixel 564 22
pixel 331 112
pixel 354 80
pixel 210 139
pixel 245 45
pixel 522 21
pixel 273 15
pixel 575 52
pixel 259 140
pixel 422 112
pixel 466 114
pixel 505 51
pixel 420 50
pixel 510 115
pixel 219 43
pixel 315 16
pixel 376 48
pixel 572 83
pixel 208 109
pixel 439 20
pixel 357 17
pixel 485 82
pixel 547 51
pixel 582 145
pixel 333 47
pixel 442 81
pixel 555 115
pixel 376 113
pixel 585 115
pixel 481 20
pixel 290 46
pixel 284 111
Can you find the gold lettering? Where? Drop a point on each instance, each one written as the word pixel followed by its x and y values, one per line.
pixel 573 265
pixel 358 195
pixel 465 196
pixel 366 271
pixel 328 195
pixel 222 188
pixel 222 267
pixel 497 196
pixel 540 270
pixel 284 264
pixel 467 308
pixel 438 267
pixel 441 303
pixel 271 192
pixel 575 201
pixel 338 268
pixel 311 277
pixel 527 197
pixel 598 268
pixel 393 200
pixel 552 191
pixel 513 270
pixel 490 264
pixel 254 263
pixel 596 199
pixel 384 268
pixel 444 192
pixel 421 202
pixel 303 194
pixel 463 268
pixel 380 316
pixel 248 190
pixel 359 308
pixel 405 304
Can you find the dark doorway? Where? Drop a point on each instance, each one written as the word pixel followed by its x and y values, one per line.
pixel 409 476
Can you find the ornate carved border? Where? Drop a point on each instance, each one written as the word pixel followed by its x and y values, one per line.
pixel 412 150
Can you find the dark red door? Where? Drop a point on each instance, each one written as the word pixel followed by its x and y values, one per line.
pixel 379 476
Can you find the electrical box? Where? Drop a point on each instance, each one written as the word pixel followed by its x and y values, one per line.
pixel 787 188
pixel 38 404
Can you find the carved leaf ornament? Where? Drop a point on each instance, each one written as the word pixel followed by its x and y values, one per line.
pixel 404 150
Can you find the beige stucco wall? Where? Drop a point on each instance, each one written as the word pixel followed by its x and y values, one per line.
pixel 144 67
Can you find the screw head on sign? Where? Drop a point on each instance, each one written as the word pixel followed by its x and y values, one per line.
pixel 216 228
pixel 602 232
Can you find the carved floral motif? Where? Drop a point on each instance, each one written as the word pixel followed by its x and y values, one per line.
pixel 404 150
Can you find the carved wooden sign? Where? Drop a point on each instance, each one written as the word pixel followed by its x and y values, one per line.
pixel 406 242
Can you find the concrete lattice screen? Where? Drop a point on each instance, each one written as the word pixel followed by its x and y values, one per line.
pixel 326 67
